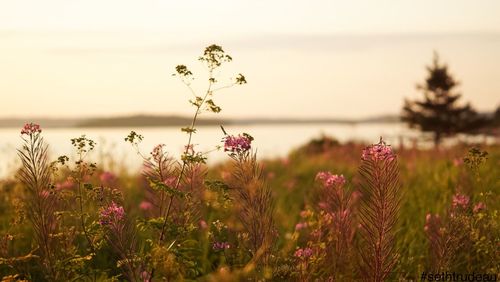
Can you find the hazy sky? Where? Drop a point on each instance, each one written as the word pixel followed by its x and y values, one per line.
pixel 75 58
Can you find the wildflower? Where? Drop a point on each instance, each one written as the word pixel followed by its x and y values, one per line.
pixel 145 276
pixel 111 214
pixel 203 224
pixel 378 152
pixel 271 175
pixel 145 205
pixel 31 128
pixel 44 194
pixel 225 175
pixel 300 225
pixel 107 177
pixel 460 200
pixel 458 161
pixel 479 207
pixel 220 246
pixel 303 253
pixel 323 205
pixel 67 184
pixel 330 180
pixel 237 144
pixel 305 213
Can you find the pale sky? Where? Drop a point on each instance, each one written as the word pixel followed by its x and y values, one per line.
pixel 73 58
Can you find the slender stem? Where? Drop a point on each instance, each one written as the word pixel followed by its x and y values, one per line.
pixel 184 162
pixel 186 150
pixel 80 204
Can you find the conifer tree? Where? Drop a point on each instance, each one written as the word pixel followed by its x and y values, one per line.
pixel 439 112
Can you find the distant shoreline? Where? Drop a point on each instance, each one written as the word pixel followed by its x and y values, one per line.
pixel 158 121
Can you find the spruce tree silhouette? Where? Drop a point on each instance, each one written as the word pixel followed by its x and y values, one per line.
pixel 439 112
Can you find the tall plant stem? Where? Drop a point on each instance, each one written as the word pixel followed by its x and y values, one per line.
pixel 184 163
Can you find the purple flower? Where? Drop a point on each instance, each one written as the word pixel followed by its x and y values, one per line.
pixel 30 129
pixel 378 152
pixel 237 144
pixel 330 180
pixel 67 184
pixel 300 225
pixel 479 207
pixel 203 224
pixel 460 200
pixel 107 177
pixel 111 214
pixel 220 246
pixel 145 276
pixel 145 206
pixel 303 253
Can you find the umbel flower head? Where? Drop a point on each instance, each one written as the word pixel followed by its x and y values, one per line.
pixel 30 129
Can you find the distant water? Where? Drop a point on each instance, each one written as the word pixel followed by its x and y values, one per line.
pixel 270 140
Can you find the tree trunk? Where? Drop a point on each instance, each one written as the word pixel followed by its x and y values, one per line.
pixel 437 140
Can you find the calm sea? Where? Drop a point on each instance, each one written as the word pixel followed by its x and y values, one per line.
pixel 271 141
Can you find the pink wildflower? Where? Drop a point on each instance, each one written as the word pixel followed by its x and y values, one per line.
pixel 330 180
pixel 220 246
pixel 237 144
pixel 301 225
pixel 111 214
pixel 323 205
pixel 107 177
pixel 271 175
pixel 460 200
pixel 145 276
pixel 303 253
pixel 458 161
pixel 145 206
pixel 304 213
pixel 225 175
pixel 378 152
pixel 31 128
pixel 479 207
pixel 203 224
pixel 44 193
pixel 67 184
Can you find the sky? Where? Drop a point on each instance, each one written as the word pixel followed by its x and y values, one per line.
pixel 308 59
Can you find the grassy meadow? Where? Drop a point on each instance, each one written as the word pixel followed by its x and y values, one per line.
pixel 429 180
pixel 326 212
